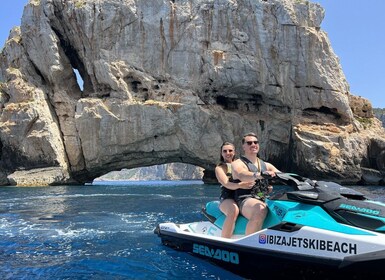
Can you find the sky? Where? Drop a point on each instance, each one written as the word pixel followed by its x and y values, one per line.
pixel 356 30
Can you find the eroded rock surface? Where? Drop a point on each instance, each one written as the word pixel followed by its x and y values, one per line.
pixel 169 81
pixel 380 114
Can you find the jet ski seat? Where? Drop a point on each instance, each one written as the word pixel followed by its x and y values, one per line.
pixel 215 215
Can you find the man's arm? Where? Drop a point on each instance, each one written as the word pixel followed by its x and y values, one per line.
pixel 241 172
pixel 271 167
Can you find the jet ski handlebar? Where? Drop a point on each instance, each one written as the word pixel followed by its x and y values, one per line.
pixel 266 175
pixel 292 179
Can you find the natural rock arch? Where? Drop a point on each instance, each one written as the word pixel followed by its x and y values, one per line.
pixel 169 82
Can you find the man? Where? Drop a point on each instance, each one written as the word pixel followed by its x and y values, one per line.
pixel 249 167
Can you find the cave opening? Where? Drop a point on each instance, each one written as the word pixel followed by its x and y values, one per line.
pixel 79 79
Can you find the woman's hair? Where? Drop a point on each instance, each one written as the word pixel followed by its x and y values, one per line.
pixel 248 134
pixel 222 160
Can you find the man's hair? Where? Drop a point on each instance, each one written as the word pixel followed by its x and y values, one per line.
pixel 248 134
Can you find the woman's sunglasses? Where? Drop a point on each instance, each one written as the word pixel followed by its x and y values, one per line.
pixel 252 142
pixel 225 151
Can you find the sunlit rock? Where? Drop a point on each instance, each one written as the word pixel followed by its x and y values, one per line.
pixel 169 81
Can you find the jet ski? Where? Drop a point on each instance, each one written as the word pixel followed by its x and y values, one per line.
pixel 313 230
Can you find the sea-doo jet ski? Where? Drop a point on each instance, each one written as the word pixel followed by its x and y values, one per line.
pixel 315 230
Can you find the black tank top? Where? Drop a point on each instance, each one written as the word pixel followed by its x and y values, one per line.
pixel 225 192
pixel 256 190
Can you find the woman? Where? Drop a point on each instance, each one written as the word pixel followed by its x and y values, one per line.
pixel 224 176
pixel 249 167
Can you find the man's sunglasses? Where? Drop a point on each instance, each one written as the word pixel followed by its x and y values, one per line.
pixel 252 142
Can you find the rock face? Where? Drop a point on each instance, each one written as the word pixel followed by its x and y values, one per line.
pixel 169 81
pixel 380 114
pixel 171 171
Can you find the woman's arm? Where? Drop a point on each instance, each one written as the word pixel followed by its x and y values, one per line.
pixel 220 173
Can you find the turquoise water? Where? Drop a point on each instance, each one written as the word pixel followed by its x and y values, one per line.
pixel 100 231
pixel 104 231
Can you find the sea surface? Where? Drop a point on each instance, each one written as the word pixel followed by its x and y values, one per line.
pixel 105 230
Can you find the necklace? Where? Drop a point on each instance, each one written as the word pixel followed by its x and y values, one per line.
pixel 258 164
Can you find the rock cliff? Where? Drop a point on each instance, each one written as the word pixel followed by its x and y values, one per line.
pixel 380 114
pixel 169 81
pixel 170 171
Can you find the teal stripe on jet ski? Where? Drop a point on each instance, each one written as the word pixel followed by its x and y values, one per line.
pixel 381 229
pixel 315 216
pixel 288 211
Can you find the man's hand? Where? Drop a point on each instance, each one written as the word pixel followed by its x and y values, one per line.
pixel 246 185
